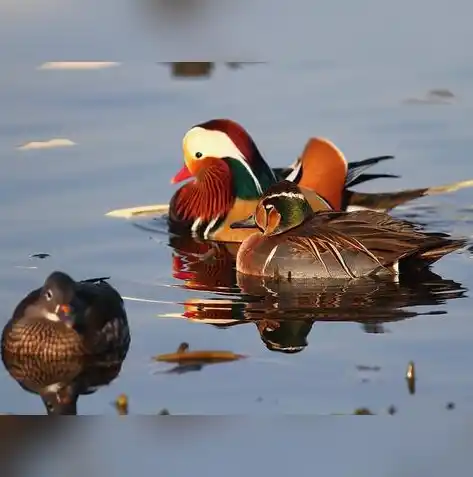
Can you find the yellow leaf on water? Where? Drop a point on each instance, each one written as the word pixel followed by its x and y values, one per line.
pixel 199 356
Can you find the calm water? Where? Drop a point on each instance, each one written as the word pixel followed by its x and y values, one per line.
pixel 128 122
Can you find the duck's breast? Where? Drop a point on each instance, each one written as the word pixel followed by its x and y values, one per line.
pixel 42 338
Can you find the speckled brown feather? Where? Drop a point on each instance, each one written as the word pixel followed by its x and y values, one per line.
pixel 103 328
pixel 343 245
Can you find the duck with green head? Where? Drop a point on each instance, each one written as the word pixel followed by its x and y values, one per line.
pixel 293 242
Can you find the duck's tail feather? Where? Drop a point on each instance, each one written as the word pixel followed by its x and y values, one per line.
pixel 369 177
pixel 356 169
pixel 389 200
pixel 434 251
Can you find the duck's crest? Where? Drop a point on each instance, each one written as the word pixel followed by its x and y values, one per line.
pixel 245 144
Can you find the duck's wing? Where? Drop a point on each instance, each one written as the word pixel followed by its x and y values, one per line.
pixel 364 242
pixel 94 288
pixel 104 303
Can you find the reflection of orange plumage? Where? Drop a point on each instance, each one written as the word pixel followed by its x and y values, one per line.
pixel 219 312
pixel 203 265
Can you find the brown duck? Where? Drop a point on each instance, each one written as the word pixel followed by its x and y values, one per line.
pixel 293 242
pixel 65 318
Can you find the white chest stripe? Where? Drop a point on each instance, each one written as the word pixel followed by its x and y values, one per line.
pixel 242 161
pixel 269 258
pixel 196 224
pixel 210 227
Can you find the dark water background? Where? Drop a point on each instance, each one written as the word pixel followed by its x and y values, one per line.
pixel 128 122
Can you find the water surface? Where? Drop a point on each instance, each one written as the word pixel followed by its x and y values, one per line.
pixel 350 347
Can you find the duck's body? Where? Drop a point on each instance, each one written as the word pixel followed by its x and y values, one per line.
pixel 230 176
pixel 293 242
pixel 88 319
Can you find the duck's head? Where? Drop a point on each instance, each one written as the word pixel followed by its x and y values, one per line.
pixel 322 168
pixel 58 299
pixel 282 208
pixel 218 139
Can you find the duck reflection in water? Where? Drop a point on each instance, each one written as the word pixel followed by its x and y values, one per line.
pixel 206 266
pixel 60 383
pixel 285 314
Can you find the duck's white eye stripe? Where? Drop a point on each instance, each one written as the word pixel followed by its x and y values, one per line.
pixel 216 144
pixel 49 295
pixel 290 195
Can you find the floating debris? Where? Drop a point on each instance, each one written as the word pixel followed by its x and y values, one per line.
pixel 192 69
pixel 450 406
pixel 362 367
pixel 184 356
pixel 392 410
pixel 142 210
pixel 411 377
pixel 121 405
pixel 363 411
pixel 40 255
pixel 49 144
pixel 164 412
pixel 77 65
pixel 434 96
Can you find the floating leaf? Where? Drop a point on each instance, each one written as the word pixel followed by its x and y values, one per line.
pixel 199 357
pixel 142 210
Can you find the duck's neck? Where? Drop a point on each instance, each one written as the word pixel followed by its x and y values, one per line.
pixel 260 168
pixel 205 203
pixel 207 198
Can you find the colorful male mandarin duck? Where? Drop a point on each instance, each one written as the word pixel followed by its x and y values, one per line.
pixel 293 242
pixel 231 176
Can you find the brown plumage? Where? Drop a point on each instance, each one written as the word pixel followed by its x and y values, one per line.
pixel 294 242
pixel 65 319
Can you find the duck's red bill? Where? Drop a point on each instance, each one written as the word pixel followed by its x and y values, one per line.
pixel 66 309
pixel 182 175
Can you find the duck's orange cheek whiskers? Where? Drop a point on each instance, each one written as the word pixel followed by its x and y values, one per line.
pixel 182 175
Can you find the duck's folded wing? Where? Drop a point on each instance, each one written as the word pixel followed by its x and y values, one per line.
pixel 362 240
pixel 334 254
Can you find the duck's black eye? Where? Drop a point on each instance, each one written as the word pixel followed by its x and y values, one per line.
pixel 268 206
pixel 49 295
pixel 198 155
